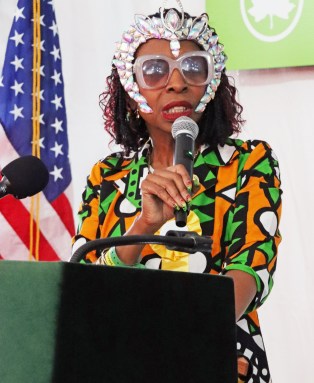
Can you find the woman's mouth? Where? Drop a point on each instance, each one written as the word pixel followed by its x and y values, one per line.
pixel 174 110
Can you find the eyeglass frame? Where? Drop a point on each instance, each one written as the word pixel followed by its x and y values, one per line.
pixel 173 64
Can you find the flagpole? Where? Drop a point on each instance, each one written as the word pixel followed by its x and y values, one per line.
pixel 35 200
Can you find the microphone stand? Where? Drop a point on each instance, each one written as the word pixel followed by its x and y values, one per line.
pixel 184 241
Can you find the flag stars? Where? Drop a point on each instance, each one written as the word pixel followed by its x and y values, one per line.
pixel 41 70
pixel 17 112
pixel 57 125
pixel 17 38
pixel 40 94
pixel 55 53
pixel 57 149
pixel 57 102
pixel 41 119
pixel 1 81
pixel 17 87
pixel 41 45
pixel 56 173
pixel 41 20
pixel 52 4
pixel 39 142
pixel 19 13
pixel 17 63
pixel 54 28
pixel 56 77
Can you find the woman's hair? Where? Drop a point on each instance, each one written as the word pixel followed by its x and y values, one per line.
pixel 221 118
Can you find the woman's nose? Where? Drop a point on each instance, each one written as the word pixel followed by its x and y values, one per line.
pixel 176 82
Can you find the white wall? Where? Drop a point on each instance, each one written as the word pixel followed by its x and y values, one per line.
pixel 278 108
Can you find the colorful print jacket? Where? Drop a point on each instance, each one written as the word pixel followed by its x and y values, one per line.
pixel 238 205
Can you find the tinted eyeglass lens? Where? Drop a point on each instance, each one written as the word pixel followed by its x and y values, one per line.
pixel 195 69
pixel 155 72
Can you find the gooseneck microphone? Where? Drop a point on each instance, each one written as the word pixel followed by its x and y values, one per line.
pixel 184 131
pixel 23 177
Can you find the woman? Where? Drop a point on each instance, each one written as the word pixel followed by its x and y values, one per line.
pixel 168 66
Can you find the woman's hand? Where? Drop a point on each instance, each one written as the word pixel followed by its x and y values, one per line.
pixel 162 192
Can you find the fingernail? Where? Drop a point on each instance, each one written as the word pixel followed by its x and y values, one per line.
pixel 196 180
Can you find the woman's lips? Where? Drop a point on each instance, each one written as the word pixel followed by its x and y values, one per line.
pixel 176 109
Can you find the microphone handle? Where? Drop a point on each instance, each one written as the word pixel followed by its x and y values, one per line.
pixel 184 154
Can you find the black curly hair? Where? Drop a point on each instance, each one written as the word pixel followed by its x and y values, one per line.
pixel 221 118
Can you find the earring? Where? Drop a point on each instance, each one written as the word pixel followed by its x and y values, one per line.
pixel 137 114
pixel 128 115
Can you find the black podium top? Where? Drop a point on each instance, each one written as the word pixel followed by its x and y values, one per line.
pixel 119 325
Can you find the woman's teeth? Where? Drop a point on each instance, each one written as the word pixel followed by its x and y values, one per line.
pixel 176 109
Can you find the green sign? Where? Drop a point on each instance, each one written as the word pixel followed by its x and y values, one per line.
pixel 264 33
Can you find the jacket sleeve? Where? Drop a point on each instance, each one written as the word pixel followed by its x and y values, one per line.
pixel 88 220
pixel 253 226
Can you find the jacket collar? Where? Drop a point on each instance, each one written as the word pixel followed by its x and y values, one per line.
pixel 128 173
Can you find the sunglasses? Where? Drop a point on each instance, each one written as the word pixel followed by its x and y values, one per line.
pixel 154 71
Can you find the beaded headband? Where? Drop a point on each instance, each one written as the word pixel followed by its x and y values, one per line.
pixel 168 26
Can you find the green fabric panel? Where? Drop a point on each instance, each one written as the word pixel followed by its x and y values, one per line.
pixel 267 248
pixel 210 176
pixel 242 160
pixel 29 299
pixel 203 217
pixel 89 191
pixel 275 194
pixel 81 216
pixel 212 158
pixel 116 232
pixel 104 205
pixel 233 228
pixel 264 167
pixel 238 208
pixel 112 161
pixel 201 200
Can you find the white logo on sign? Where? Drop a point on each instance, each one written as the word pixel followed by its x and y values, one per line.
pixel 261 9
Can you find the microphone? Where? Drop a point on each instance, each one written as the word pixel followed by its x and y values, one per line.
pixel 184 131
pixel 23 177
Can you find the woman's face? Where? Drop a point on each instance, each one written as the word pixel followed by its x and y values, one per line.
pixel 177 98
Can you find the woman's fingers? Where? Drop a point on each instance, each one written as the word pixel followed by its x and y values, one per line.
pixel 152 189
pixel 171 185
pixel 180 169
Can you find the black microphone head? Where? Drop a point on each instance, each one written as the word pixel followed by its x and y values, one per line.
pixel 27 176
pixel 186 125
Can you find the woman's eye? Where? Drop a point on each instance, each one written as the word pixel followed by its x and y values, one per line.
pixel 155 67
pixel 195 67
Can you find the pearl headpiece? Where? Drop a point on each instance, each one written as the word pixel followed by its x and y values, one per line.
pixel 169 26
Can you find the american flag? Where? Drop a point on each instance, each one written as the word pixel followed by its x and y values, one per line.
pixel 33 121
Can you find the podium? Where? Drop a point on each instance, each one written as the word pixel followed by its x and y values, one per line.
pixel 63 322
